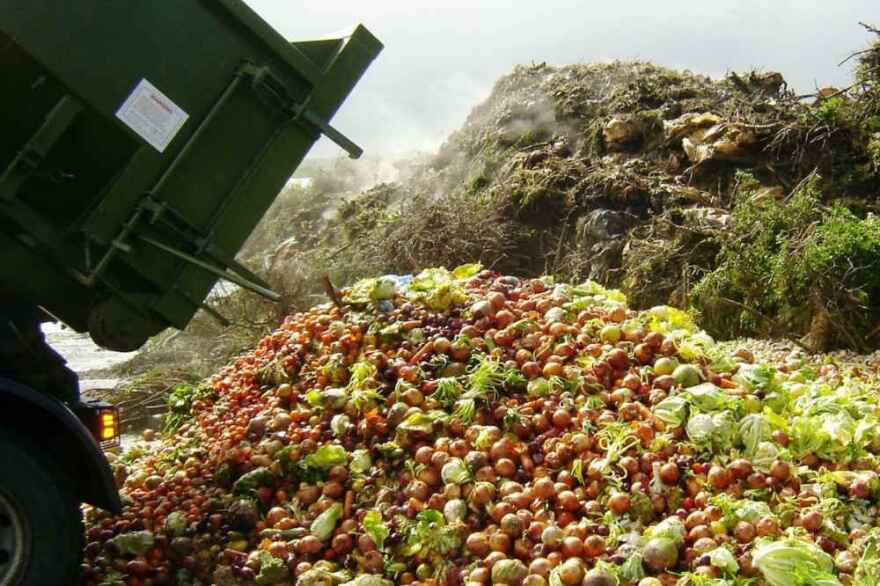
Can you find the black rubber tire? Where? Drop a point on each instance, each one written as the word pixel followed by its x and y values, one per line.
pixel 52 516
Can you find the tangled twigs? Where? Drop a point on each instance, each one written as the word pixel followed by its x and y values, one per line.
pixel 330 290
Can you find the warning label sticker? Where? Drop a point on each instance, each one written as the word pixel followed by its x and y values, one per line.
pixel 152 115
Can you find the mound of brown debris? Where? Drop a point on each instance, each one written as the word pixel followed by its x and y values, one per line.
pixel 628 174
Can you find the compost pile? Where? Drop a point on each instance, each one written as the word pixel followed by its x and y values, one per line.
pixel 739 197
pixel 464 427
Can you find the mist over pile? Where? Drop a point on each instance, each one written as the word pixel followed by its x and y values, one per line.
pixel 442 58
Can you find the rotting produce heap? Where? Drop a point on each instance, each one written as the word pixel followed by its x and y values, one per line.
pixel 467 427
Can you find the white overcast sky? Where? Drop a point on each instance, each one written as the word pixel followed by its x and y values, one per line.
pixel 442 57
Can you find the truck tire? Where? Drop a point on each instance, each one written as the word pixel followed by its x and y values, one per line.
pixel 41 530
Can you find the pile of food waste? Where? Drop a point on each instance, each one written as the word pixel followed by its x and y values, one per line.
pixel 465 427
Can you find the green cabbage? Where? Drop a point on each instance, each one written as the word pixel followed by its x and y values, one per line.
pixel 756 377
pixel 672 411
pixel 455 511
pixel 765 454
pixel 671 528
pixel 708 397
pixel 713 432
pixel 175 524
pixel 793 562
pixel 722 559
pixel 751 511
pixel 753 429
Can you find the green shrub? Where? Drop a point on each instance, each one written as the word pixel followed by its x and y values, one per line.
pixel 829 111
pixel 180 403
pixel 874 152
pixel 790 267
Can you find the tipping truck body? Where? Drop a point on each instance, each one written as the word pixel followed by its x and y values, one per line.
pixel 140 144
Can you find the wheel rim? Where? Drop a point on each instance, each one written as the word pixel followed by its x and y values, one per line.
pixel 13 544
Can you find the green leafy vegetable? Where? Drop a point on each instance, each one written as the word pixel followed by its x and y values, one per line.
pixel 418 424
pixel 272 569
pixel 615 439
pixel 368 290
pixel 376 528
pixel 490 376
pixel 736 510
pixel 665 319
pixel 361 462
pixel 322 574
pixel 439 289
pixel 466 271
pixel 430 535
pixel 391 450
pixel 757 377
pixel 712 432
pixel 753 429
pixel 539 387
pixel 180 403
pixel 722 559
pixel 455 471
pixel 327 456
pixel 314 467
pixel 448 391
pixel 333 398
pixel 134 543
pixel 671 528
pixel 793 562
pixel 250 482
pixel 632 570
pixel 868 569
pixel 324 524
pixel 672 411
pixel 708 397
pixel 339 424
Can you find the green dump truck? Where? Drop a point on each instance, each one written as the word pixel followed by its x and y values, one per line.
pixel 140 144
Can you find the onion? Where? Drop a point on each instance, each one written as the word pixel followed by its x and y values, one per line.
pixel 598 577
pixel 571 573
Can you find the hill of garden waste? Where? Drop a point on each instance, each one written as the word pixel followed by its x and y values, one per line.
pixel 736 197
